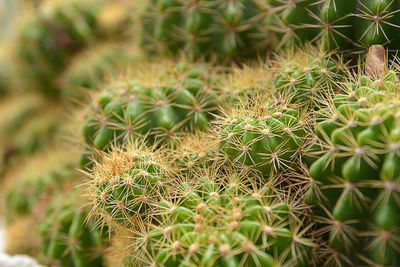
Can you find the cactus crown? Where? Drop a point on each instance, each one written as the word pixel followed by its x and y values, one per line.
pixel 127 184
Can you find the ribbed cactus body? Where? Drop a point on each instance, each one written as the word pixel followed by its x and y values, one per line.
pixel 356 177
pixel 335 23
pixel 307 77
pixel 226 28
pixel 161 112
pixel 234 28
pixel 264 137
pixel 219 225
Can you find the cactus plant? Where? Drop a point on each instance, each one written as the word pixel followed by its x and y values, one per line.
pixel 216 222
pixel 236 28
pixel 161 110
pixel 307 76
pixel 263 136
pixel 334 23
pixel 17 112
pixel 354 188
pixel 227 28
pixel 126 184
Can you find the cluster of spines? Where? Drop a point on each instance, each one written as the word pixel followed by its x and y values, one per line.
pixel 127 184
pixel 195 152
pixel 217 222
pixel 307 77
pixel 263 136
pixel 334 23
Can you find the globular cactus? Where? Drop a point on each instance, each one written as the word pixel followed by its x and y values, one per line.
pixel 67 238
pixel 39 132
pixel 216 221
pixel 178 102
pixel 226 28
pixel 127 183
pixel 17 111
pixel 263 135
pixel 307 76
pixel 354 190
pixel 334 23
pixel 241 28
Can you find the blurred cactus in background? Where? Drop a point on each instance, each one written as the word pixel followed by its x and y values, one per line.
pixel 47 40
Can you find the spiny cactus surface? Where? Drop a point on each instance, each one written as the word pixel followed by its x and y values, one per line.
pixel 227 28
pixel 215 223
pixel 129 110
pixel 355 181
pixel 263 136
pixel 308 76
pixel 127 184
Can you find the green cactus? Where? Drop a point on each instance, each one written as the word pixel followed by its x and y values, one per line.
pixel 127 183
pixel 226 28
pixel 160 111
pixel 216 222
pixel 334 23
pixel 67 238
pixel 234 28
pixel 307 76
pixel 354 188
pixel 264 137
